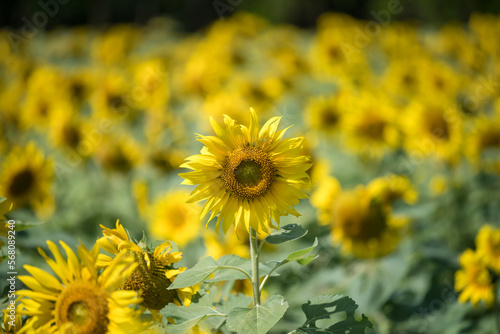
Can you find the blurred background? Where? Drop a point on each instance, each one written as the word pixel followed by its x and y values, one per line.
pixel 196 14
pixel 101 101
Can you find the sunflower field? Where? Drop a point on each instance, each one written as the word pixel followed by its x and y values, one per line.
pixel 251 177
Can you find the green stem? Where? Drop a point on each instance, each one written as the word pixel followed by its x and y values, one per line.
pixel 269 275
pixel 236 268
pixel 254 253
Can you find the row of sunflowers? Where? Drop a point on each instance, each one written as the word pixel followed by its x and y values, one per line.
pixel 396 140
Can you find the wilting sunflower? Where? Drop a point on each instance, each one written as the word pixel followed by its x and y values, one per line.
pixel 473 280
pixel 80 299
pixel 247 176
pixel 154 272
pixel 25 179
pixel 488 247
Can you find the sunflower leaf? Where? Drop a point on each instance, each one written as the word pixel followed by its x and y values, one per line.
pixel 233 267
pixel 186 318
pixel 286 233
pixel 228 267
pixel 337 308
pixel 200 272
pixel 20 226
pixel 301 254
pixel 259 319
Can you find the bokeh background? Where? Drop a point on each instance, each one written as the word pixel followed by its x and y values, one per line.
pixel 196 14
pixel 100 106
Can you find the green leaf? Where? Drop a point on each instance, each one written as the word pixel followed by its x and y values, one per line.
pixel 186 318
pixel 301 254
pixel 206 267
pixel 225 274
pixel 20 226
pixel 259 319
pixel 328 306
pixel 183 327
pixel 286 233
pixel 306 260
pixel 200 272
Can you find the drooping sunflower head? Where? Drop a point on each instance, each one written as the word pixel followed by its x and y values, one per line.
pixel 81 299
pixel 154 272
pixel 25 179
pixel 247 176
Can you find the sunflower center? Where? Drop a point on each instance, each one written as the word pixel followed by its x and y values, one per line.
pixel 329 117
pixel 85 307
pixel 152 281
pixel 248 172
pixel 21 183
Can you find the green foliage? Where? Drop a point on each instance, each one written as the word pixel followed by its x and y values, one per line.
pixel 258 319
pixel 286 233
pixel 324 307
pixel 235 267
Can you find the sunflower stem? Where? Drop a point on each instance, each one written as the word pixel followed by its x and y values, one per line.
pixel 254 253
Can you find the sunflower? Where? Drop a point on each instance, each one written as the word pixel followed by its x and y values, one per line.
pixel 473 280
pixel 25 179
pixel 119 153
pixel 485 137
pixel 247 176
pixel 154 272
pixel 174 219
pixel 390 188
pixel 80 299
pixel 67 132
pixel 361 220
pixel 372 127
pixel 363 226
pixel 433 128
pixel 325 113
pixel 488 247
pixel 323 198
pixel 216 246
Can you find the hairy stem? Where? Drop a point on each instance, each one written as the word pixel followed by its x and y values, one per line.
pixel 254 253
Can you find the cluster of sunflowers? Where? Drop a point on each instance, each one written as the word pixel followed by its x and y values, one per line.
pixel 479 271
pixel 96 124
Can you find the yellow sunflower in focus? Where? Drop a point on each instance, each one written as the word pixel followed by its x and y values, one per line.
pixel 80 299
pixel 174 219
pixel 154 272
pixel 488 247
pixel 473 280
pixel 247 176
pixel 25 179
